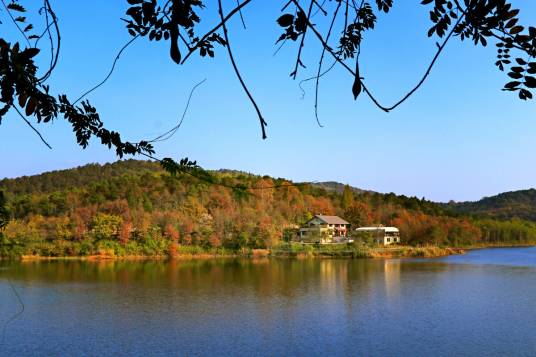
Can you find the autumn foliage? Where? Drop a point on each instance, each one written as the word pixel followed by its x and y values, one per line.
pixel 134 207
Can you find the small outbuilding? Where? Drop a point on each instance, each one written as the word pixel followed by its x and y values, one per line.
pixel 381 235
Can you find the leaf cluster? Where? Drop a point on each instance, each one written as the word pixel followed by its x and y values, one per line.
pixel 169 22
pixel 485 20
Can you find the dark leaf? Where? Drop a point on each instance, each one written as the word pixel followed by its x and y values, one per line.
pixel 357 86
pixel 16 7
pixel 530 82
pixel 30 106
pixel 285 20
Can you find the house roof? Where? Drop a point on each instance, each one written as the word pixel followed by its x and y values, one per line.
pixel 387 229
pixel 331 219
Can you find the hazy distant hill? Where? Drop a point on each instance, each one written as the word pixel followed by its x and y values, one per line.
pixel 338 187
pixel 520 204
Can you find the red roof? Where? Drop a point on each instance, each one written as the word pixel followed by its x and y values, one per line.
pixel 331 219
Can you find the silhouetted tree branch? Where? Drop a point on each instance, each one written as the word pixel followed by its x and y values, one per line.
pixel 238 75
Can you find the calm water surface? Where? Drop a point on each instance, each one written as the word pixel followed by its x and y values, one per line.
pixel 483 303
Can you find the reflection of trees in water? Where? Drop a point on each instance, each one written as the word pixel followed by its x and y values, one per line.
pixel 288 280
pixel 273 292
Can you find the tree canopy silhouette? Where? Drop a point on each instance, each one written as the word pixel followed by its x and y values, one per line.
pixel 25 90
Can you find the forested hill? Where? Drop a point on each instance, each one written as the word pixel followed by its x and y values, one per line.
pixel 132 205
pixel 75 177
pixel 508 205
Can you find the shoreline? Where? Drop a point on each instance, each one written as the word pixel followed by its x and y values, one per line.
pixel 315 253
pixel 311 253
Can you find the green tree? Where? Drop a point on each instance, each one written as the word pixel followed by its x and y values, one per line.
pixel 106 226
pixel 4 213
pixel 242 240
pixel 289 234
pixel 347 197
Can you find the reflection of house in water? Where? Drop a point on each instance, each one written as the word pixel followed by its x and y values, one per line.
pixel 391 269
pixel 333 277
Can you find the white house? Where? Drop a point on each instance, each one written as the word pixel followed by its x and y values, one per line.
pixel 324 229
pixel 382 235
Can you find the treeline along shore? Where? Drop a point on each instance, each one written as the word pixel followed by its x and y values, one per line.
pixel 136 209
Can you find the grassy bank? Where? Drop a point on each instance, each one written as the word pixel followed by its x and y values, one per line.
pixel 163 250
pixel 107 249
pixel 360 251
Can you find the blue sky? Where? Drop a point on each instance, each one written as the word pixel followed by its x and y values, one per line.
pixel 460 137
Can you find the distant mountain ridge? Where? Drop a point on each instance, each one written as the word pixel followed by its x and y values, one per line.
pixel 514 204
pixel 338 187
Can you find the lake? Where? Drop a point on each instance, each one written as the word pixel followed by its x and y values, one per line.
pixel 481 303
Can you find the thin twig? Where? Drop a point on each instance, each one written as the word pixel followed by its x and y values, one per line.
pixel 365 89
pixel 241 15
pixel 16 24
pixel 280 47
pixel 111 69
pixel 235 67
pixel 58 38
pixel 32 127
pixel 317 84
pixel 302 42
pixel 314 77
pixel 50 40
pixel 214 29
pixel 47 29
pixel 320 8
pixel 286 5
pixel 429 69
pixel 168 134
pixel 340 61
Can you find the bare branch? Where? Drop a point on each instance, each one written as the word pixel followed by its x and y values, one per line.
pixel 49 10
pixel 235 67
pixel 430 67
pixel 302 42
pixel 111 70
pixel 241 15
pixel 336 57
pixel 216 28
pixel 321 62
pixel 32 127
pixel 16 24
pixel 365 89
pixel 168 134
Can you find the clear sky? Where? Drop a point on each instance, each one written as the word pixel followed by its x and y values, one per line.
pixel 460 137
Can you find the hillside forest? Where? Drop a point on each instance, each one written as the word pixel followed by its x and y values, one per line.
pixel 135 208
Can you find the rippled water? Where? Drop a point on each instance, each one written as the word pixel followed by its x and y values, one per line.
pixel 483 303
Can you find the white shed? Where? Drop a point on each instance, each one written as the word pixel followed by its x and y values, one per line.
pixel 382 235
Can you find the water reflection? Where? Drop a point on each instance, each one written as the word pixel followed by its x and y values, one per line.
pixel 266 277
pixel 268 307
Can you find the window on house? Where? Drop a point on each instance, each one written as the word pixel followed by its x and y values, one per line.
pixel 388 240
